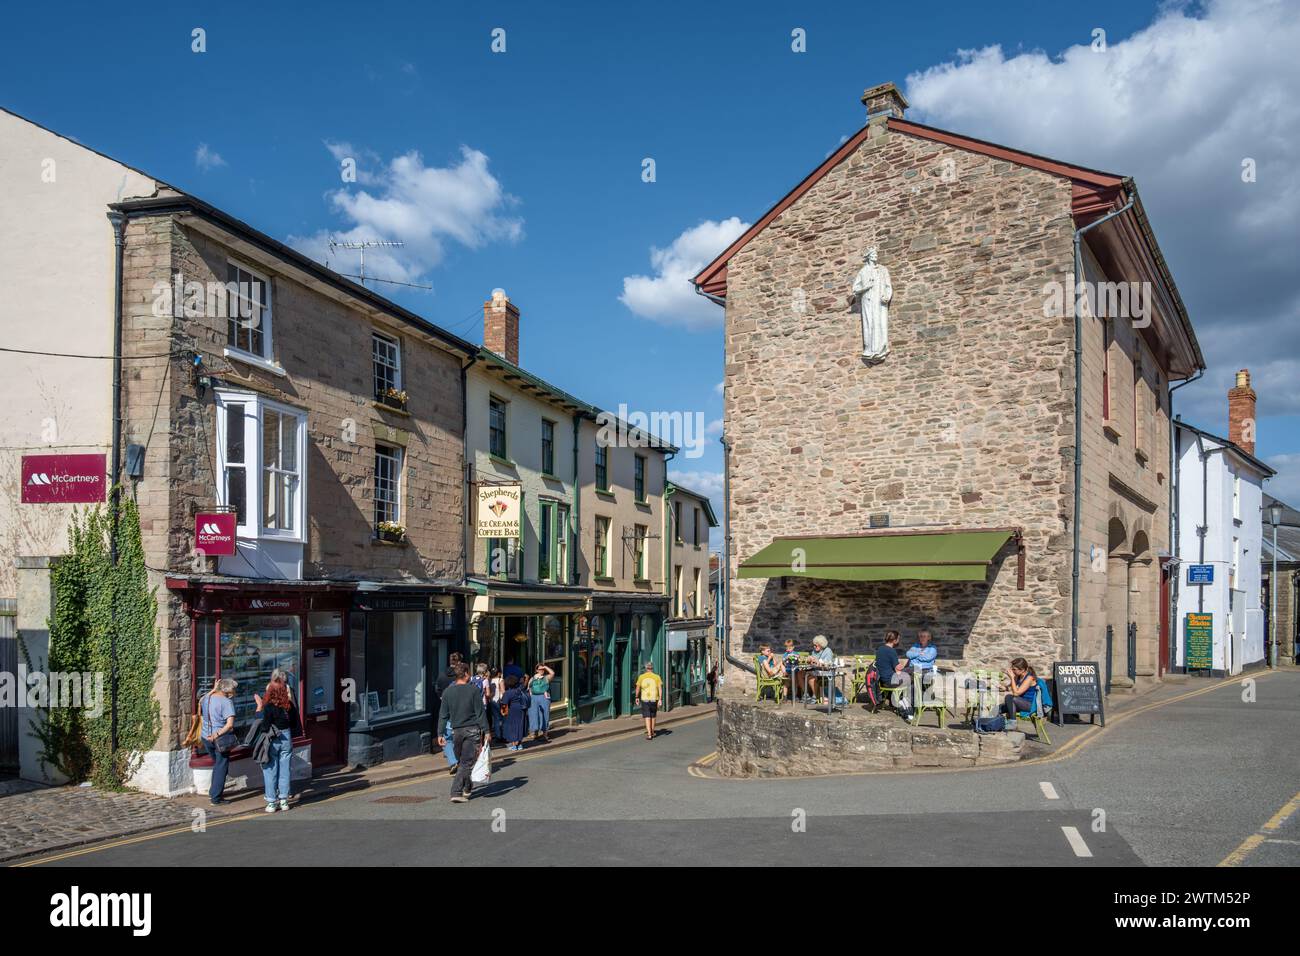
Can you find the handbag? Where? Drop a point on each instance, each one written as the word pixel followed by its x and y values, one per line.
pixel 225 742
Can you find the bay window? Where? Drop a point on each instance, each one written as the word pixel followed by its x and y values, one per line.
pixel 261 455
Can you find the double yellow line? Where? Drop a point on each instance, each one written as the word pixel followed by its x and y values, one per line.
pixel 1249 845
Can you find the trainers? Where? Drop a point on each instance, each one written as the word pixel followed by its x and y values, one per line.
pixel 460 798
pixel 270 808
pixel 284 804
pixel 465 793
pixel 451 771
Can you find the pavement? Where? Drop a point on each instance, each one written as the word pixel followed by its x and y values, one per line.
pixel 1191 774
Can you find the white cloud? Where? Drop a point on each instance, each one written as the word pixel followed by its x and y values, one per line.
pixel 714 427
pixel 1285 485
pixel 425 207
pixel 1178 105
pixel 207 158
pixel 707 483
pixel 717 389
pixel 668 297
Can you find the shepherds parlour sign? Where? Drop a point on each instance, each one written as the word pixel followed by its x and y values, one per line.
pixel 498 511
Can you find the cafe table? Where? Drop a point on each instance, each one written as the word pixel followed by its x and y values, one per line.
pixel 834 672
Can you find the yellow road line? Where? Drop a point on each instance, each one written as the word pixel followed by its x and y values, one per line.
pixel 345 795
pixel 1069 749
pixel 1252 842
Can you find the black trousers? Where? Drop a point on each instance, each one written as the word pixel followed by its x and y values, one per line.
pixel 466 741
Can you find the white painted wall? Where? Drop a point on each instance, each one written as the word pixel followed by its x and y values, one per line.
pixel 1215 599
pixel 57 277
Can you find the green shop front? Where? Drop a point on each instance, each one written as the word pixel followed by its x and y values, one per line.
pixel 615 638
pixel 689 643
pixel 523 625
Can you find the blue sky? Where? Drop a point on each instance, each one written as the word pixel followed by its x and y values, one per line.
pixel 530 161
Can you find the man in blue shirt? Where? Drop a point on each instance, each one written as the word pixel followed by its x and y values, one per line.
pixel 922 654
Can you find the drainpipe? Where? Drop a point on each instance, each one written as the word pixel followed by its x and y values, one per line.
pixel 119 242
pixel 1078 418
pixel 724 579
pixel 1204 529
pixel 575 534
pixel 1175 515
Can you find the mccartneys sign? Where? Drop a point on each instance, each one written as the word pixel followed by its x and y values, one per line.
pixel 498 511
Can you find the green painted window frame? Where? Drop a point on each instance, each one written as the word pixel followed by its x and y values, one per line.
pixel 639 534
pixel 548 447
pixel 545 541
pixel 601 569
pixel 498 448
pixel 638 478
pixel 563 545
pixel 602 467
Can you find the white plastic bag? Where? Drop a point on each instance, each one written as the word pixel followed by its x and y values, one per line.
pixel 482 772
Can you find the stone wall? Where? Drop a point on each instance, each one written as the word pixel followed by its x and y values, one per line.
pixel 763 740
pixel 967 423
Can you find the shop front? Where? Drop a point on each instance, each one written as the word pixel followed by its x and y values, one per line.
pixel 688 661
pixel 615 639
pixel 520 626
pixel 399 641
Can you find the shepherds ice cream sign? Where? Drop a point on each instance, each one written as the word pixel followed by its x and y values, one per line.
pixel 64 479
pixel 498 511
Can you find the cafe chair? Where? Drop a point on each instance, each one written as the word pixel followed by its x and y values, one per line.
pixel 776 683
pixel 1035 718
pixel 858 676
pixel 987 683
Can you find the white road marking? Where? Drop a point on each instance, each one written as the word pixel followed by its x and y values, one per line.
pixel 1048 790
pixel 1076 842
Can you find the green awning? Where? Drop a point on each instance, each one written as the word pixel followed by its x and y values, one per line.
pixel 893 555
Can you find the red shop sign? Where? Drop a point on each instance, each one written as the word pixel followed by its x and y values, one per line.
pixel 214 533
pixel 64 479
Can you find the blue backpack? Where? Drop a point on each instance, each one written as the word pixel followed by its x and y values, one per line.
pixel 990 725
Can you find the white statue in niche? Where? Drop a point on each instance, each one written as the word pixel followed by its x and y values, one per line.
pixel 872 293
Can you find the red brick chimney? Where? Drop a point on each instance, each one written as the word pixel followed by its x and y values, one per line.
pixel 1241 412
pixel 501 326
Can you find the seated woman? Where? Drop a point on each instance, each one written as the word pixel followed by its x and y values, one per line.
pixel 824 661
pixel 1024 689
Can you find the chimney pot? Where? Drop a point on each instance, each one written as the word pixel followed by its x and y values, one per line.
pixel 1241 413
pixel 501 326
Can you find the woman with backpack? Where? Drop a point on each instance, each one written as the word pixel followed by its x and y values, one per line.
pixel 279 717
pixel 539 706
pixel 513 709
pixel 1024 689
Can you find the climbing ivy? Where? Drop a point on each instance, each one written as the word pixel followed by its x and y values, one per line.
pixel 92 599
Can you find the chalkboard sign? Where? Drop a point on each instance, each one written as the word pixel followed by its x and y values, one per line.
pixel 1198 642
pixel 1078 690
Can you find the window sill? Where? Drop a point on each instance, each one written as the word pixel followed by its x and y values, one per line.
pixel 546 475
pixel 602 579
pixel 1109 426
pixel 641 502
pixel 1141 455
pixel 385 407
pixel 605 493
pixel 248 358
pixel 385 543
pixel 503 462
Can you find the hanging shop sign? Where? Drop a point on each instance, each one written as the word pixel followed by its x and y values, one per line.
pixel 214 533
pixel 498 511
pixel 64 479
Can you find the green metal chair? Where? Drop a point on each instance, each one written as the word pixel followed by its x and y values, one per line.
pixel 858 676
pixel 1035 718
pixel 988 681
pixel 776 683
pixel 889 693
pixel 940 708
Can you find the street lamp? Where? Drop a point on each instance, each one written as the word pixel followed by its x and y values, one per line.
pixel 1275 519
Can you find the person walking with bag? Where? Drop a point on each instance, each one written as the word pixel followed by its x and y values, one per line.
pixel 539 704
pixel 462 710
pixel 280 722
pixel 218 721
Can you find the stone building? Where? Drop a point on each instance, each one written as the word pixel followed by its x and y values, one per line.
pixel 1285 614
pixel 932 484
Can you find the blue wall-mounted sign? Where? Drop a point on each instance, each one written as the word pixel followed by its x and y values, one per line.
pixel 1200 574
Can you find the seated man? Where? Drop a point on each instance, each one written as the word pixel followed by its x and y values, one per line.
pixel 824 660
pixel 893 671
pixel 921 656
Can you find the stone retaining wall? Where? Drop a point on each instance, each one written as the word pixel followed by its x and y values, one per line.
pixel 763 740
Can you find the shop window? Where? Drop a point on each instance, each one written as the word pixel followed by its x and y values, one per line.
pixel 497 427
pixel 387 663
pixel 602 467
pixel 386 361
pixel 205 655
pixel 248 312
pixel 555 640
pixel 252 646
pixel 638 478
pixel 591 660
pixel 548 447
pixel 503 558
pixel 261 450
pixel 388 483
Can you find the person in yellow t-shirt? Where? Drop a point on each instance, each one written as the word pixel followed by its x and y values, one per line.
pixel 649 694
